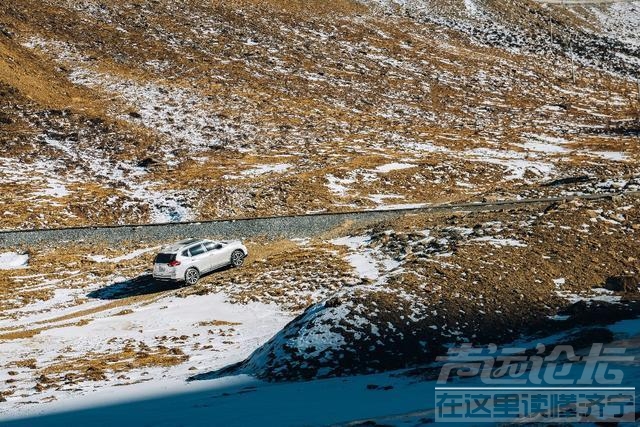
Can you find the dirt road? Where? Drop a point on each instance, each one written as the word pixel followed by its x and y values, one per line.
pixel 283 226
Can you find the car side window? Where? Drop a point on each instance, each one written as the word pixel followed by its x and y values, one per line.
pixel 185 253
pixel 197 250
pixel 211 246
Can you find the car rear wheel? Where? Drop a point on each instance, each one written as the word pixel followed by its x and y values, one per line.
pixel 191 276
pixel 237 258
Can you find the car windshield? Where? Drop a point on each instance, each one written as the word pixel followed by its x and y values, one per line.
pixel 165 258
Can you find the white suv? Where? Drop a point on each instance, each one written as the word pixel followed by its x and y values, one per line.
pixel 189 259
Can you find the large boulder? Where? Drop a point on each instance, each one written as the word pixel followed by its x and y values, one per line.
pixel 626 284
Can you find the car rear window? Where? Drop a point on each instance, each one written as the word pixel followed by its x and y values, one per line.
pixel 165 258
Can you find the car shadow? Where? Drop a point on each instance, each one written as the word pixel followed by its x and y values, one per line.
pixel 144 284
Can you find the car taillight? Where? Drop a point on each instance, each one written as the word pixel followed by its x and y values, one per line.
pixel 174 263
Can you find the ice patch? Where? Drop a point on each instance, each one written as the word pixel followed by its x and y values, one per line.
pixel 361 259
pixel 544 144
pixel 543 147
pixel 364 265
pixel 426 146
pixel 574 298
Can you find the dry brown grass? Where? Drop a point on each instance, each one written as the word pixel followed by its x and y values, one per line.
pixel 26 363
pixel 67 266
pixel 95 367
pixel 308 9
pixel 218 323
pixel 29 333
pixel 37 79
pixel 341 119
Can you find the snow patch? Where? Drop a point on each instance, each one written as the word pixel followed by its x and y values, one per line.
pixel 13 261
pixel 264 169
pixel 339 186
pixel 394 167
pixel 500 242
pixel 132 255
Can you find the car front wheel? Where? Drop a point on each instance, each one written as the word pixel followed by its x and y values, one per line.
pixel 191 276
pixel 237 258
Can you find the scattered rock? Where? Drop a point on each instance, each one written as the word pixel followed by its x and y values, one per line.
pixel 44 379
pixel 4 31
pixel 379 387
pixel 5 120
pixel 625 284
pixel 555 206
pixel 94 374
pixel 568 180
pixel 147 161
pixel 598 312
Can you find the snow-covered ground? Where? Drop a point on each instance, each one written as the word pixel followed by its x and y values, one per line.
pixel 212 331
pixel 391 399
pixel 242 401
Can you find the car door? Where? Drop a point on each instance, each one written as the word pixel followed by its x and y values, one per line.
pixel 225 253
pixel 216 254
pixel 199 258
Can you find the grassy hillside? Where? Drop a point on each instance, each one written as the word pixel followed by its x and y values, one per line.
pixel 154 111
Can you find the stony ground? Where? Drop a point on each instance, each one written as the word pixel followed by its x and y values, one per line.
pixel 159 111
